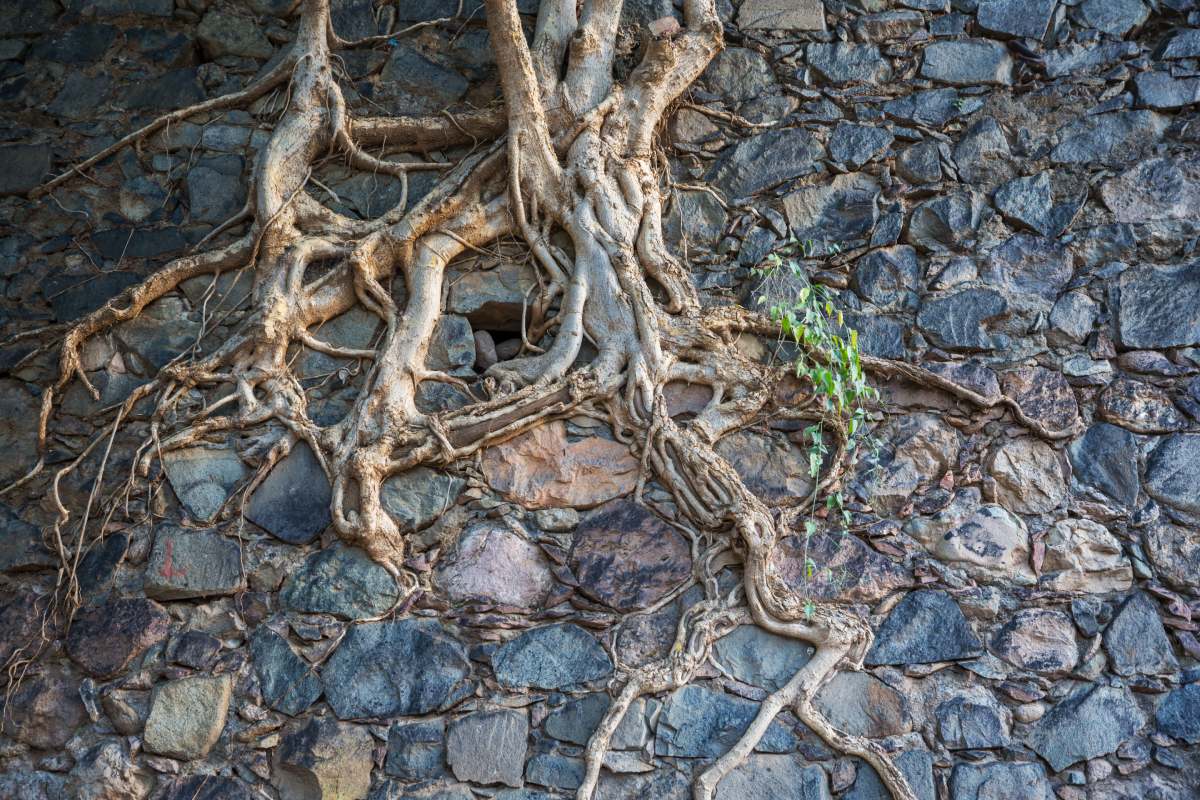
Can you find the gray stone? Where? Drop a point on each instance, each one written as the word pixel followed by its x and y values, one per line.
pixel 860 704
pixel 957 321
pixel 28 17
pixel 1090 723
pixel 492 299
pixel 1029 265
pixel 1157 189
pixel 293 501
pixel 488 747
pixel 917 766
pixel 105 772
pixel 989 544
pixel 834 211
pixel 174 89
pixel 26 165
pixel 82 44
pixel 187 716
pixel 945 223
pixel 576 720
pixel 1136 642
pixel 1175 553
pixel 764 777
pixel 999 781
pixel 286 681
pixel 342 581
pixel 1171 475
pixel 416 750
pixel 560 656
pixel 788 15
pixel 225 34
pixel 888 278
pixel 697 217
pixel 888 25
pixel 452 348
pixel 418 497
pixel 1113 138
pixel 493 563
pixel 355 329
pixel 759 658
pixel 740 75
pixel 325 760
pixel 1028 202
pixel 766 160
pixel 1083 58
pixel 402 667
pixel 1072 318
pixel 626 557
pixel 216 190
pixel 1105 458
pixel 415 84
pixel 844 63
pixel 556 771
pixel 204 477
pixel 665 783
pixel 697 722
pixel 1115 17
pixel 969 374
pixel 1163 91
pixel 983 154
pixel 1183 43
pixel 79 97
pixel 973 720
pixel 854 145
pixel 1020 18
pixel 967 62
pixel 207 787
pixel 1158 307
pixel 1178 713
pixel 1038 639
pixel 188 563
pixel 21 546
pixel 935 107
pixel 919 163
pixel 923 628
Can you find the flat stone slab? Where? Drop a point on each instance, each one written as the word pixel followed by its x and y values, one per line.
pixel 204 477
pixel 399 668
pixel 287 682
pixel 292 502
pixel 560 656
pixel 1091 723
pixel 488 747
pixel 342 581
pixel 189 563
pixel 925 627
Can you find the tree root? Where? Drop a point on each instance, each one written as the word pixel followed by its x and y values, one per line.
pixel 568 165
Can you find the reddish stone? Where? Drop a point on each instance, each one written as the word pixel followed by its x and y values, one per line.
pixel 843 568
pixel 627 558
pixel 105 639
pixel 542 469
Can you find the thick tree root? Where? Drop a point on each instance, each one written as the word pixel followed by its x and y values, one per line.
pixel 571 153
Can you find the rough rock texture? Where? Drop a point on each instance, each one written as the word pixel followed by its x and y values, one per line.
pixel 1001 192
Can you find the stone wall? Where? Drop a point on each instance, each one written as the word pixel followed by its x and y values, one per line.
pixel 1015 189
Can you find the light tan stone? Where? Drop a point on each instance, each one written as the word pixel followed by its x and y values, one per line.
pixel 542 469
pixel 187 716
pixel 1082 556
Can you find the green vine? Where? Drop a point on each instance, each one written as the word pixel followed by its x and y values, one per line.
pixel 828 357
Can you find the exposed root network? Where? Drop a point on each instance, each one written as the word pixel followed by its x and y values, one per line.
pixel 569 166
